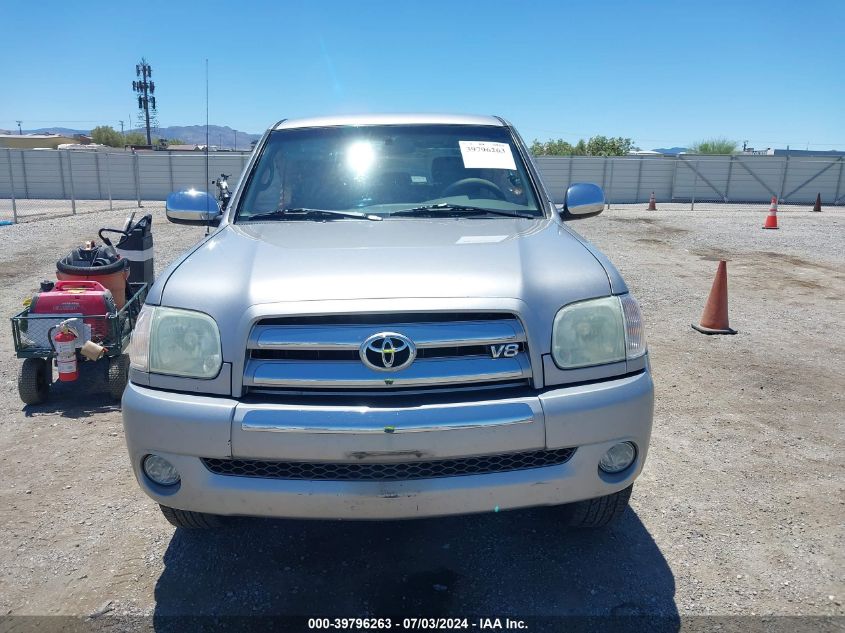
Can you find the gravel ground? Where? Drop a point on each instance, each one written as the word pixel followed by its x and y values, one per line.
pixel 739 510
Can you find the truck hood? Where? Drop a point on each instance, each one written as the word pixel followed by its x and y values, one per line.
pixel 249 264
pixel 251 271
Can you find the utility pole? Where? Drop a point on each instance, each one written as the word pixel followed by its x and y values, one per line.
pixel 121 131
pixel 20 131
pixel 145 88
pixel 236 141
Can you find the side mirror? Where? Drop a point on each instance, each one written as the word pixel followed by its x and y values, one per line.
pixel 191 206
pixel 583 200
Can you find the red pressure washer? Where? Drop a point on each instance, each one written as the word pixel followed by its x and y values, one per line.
pixel 85 298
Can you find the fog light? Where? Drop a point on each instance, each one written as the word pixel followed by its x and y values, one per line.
pixel 618 457
pixel 160 470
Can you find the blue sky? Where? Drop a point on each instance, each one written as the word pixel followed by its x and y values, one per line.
pixel 663 73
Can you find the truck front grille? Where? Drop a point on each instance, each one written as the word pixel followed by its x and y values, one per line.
pixel 400 471
pixel 320 353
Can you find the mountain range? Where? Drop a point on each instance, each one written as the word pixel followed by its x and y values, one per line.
pixel 220 135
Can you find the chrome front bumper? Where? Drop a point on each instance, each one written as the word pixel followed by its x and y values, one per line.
pixel 184 428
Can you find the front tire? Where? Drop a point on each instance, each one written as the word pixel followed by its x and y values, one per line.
pixel 598 512
pixel 191 520
pixel 34 377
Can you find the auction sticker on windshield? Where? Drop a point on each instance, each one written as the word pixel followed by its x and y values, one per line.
pixel 486 155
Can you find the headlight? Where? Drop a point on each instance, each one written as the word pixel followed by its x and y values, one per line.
pixel 597 332
pixel 176 342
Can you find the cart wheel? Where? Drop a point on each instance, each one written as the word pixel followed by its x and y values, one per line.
pixel 118 375
pixel 34 377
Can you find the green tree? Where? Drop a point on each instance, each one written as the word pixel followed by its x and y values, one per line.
pixel 107 135
pixel 552 147
pixel 135 138
pixel 580 148
pixel 595 146
pixel 714 146
pixel 613 146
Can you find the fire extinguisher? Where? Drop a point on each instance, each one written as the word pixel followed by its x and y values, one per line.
pixel 65 343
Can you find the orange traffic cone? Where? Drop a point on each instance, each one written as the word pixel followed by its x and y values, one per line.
pixel 652 203
pixel 772 218
pixel 818 206
pixel 715 317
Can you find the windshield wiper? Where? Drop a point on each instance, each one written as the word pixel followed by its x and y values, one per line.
pixel 299 213
pixel 432 210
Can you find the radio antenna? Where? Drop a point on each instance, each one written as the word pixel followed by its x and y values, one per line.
pixel 207 175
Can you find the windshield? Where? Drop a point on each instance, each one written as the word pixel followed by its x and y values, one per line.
pixel 382 170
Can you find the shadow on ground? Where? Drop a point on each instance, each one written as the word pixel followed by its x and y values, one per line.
pixel 518 563
pixel 69 401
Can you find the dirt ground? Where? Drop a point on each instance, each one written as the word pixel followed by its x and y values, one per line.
pixel 739 511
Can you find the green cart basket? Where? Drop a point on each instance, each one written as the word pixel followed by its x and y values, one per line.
pixel 33 343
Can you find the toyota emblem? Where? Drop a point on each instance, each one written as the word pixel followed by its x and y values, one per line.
pixel 388 351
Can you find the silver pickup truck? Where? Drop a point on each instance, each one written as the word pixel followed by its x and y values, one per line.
pixel 392 319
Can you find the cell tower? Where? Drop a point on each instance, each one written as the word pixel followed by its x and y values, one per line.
pixel 145 89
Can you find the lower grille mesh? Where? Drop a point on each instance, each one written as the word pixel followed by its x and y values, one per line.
pixel 328 471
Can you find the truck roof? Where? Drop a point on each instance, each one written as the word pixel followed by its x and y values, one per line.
pixel 388 119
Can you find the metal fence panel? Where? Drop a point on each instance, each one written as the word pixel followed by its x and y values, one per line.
pixel 588 169
pixel 701 178
pixel 756 180
pixel 122 177
pixel 44 175
pixel 188 171
pixel 6 160
pixel 555 173
pixel 737 178
pixel 622 179
pixel 63 176
pixel 154 174
pixel 86 175
pixel 805 179
pixel 656 177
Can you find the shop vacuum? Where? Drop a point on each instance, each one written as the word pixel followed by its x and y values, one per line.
pixel 114 266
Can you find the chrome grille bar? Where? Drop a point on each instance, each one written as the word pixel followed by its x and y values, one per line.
pixel 333 374
pixel 336 337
